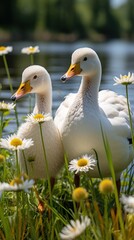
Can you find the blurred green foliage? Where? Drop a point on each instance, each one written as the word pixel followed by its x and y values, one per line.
pixel 94 19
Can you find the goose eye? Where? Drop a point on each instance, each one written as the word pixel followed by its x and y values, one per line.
pixel 35 76
pixel 85 59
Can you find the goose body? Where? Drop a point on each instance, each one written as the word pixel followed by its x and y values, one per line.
pixel 35 79
pixel 82 116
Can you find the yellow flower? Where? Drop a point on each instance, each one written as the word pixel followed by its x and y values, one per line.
pixel 30 50
pixel 14 142
pixel 5 107
pixel 16 181
pixel 83 164
pixel 75 228
pixel 79 194
pixel 5 50
pixel 38 118
pixel 124 79
pixel 106 186
pixel 17 184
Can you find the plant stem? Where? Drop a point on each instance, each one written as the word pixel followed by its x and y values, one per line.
pixel 25 161
pixel 30 97
pixel 11 87
pixel 130 117
pixel 17 163
pixel 106 217
pixel 71 186
pixel 16 116
pixel 110 162
pixel 31 59
pixel 8 73
pixel 1 124
pixel 46 164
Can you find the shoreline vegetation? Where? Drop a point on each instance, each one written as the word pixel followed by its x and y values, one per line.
pixel 7 36
pixel 49 20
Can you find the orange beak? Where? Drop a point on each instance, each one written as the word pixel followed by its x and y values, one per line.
pixel 23 89
pixel 73 70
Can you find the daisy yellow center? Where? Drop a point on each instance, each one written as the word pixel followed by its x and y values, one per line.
pixel 2 48
pixel 16 142
pixel 125 77
pixel 16 181
pixel 31 49
pixel 38 116
pixel 73 229
pixel 82 162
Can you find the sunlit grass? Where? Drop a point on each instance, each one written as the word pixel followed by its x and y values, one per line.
pixel 33 216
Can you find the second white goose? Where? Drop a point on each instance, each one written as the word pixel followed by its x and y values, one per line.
pixel 80 117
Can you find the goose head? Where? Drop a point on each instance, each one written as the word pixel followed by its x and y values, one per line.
pixel 85 62
pixel 35 79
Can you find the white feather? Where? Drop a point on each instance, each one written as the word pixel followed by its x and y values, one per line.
pixel 80 117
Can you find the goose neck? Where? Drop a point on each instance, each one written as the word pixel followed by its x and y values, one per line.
pixel 43 103
pixel 89 89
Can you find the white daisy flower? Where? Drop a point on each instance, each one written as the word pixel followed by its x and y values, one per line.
pixel 30 50
pixel 124 79
pixel 18 184
pixel 128 203
pixel 38 118
pixel 82 164
pixel 75 228
pixel 5 50
pixel 4 107
pixel 14 142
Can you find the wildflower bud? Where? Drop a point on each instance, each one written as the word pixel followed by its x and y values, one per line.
pixel 106 186
pixel 79 194
pixel 2 158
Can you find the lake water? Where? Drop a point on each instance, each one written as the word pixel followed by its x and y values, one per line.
pixel 117 57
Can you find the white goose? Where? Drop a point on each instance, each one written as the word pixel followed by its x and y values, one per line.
pixel 79 116
pixel 35 79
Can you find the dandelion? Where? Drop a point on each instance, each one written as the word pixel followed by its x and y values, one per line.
pixel 14 143
pixel 106 186
pixel 30 50
pixel 38 118
pixel 5 50
pixel 128 203
pixel 75 228
pixel 79 194
pixel 17 184
pixel 6 107
pixel 82 164
pixel 125 79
